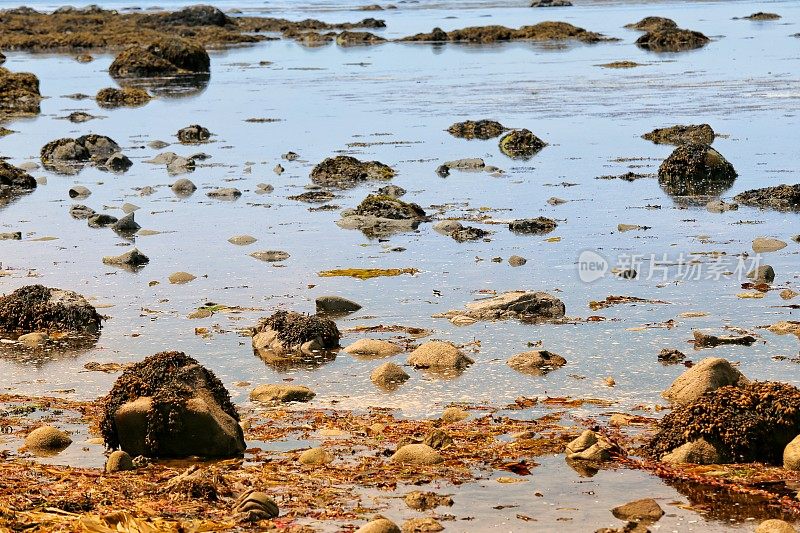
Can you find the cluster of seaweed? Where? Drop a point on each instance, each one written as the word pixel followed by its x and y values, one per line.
pixel 157 377
pixel 30 308
pixel 296 328
pixel 750 423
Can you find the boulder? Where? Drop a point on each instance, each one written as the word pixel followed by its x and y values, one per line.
pixel 520 144
pixel 226 193
pixel 476 129
pixel 198 15
pixel 695 170
pixel 388 376
pixel 118 162
pixel 336 305
pixel 698 452
pixel 111 97
pixel 762 274
pixel 289 334
pixel 379 525
pixel 101 220
pixel 356 38
pixel 68 156
pixel 81 212
pixel 516 261
pixel 536 362
pixel 791 455
pixel 119 461
pixel 533 226
pixel 439 355
pixel 47 440
pixel 645 510
pixel 417 454
pixel 527 306
pixel 164 57
pixel 775 526
pixel 170 406
pixel 281 394
pixel 19 94
pixel 707 375
pixel 345 172
pixel 694 133
pixel 373 348
pixel 38 308
pixel 779 197
pixel 672 40
pixel 79 191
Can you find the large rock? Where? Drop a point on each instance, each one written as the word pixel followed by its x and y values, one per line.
pixel 13 182
pixel 437 355
pixel 709 374
pixel 68 156
pixel 345 172
pixel 373 348
pixel 19 94
pixel 536 362
pixel 695 170
pixel 779 197
pixel 164 57
pixel 198 15
pixel 417 454
pixel 672 40
pixel 119 461
pixel 791 455
pixel 47 440
pixel 290 334
pixel 170 406
pixel 379 216
pixel 527 306
pixel 39 308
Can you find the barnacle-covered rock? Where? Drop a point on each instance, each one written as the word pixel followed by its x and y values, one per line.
pixel 39 308
pixel 345 172
pixel 533 226
pixel 127 96
pixel 293 335
pixel 752 422
pixel 170 406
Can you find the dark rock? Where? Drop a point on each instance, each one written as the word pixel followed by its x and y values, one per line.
pixel 198 15
pixel 38 308
pixel 653 24
pixel 345 172
pixel 520 144
pixel 478 129
pixel 707 340
pixel 118 162
pixel 392 190
pixel 533 226
pixel 164 57
pixel 762 274
pixel 14 181
pixel 551 3
pixel 100 220
pixel 697 134
pixel 126 224
pixel 19 93
pixel 80 212
pixel 357 38
pixel 672 40
pixel 193 134
pixel 695 170
pixel 780 197
pixel 127 96
pixel 11 236
pixel 763 16
pixel 336 304
pixel 132 259
pixel 671 356
pixel 291 334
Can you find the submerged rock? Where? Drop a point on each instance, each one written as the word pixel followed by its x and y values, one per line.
pixel 373 348
pixel 695 170
pixel 358 38
pixel 290 334
pixel 345 172
pixel 389 376
pixel 703 339
pixel 316 457
pixel 536 362
pixel 747 423
pixel 127 96
pixel 653 24
pixel 696 134
pixel 709 374
pixel 336 305
pixel 477 129
pixel 521 144
pixel 551 3
pixel 672 40
pixel 164 57
pixel 39 308
pixel 19 94
pixel 763 16
pixel 779 197
pixel 527 306
pixel 168 405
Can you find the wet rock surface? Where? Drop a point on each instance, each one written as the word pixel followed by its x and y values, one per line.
pixel 536 362
pixel 14 182
pixel 696 170
pixel 47 440
pixel 68 156
pixel 476 129
pixel 533 226
pixel 709 374
pixel 19 94
pixel 344 172
pixel 437 355
pixel 527 306
pixel 281 394
pixel 653 24
pixel 379 215
pixel 696 134
pixel 521 144
pixel 672 40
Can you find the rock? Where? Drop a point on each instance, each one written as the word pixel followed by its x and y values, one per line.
pixel 101 220
pixel 37 338
pixel 696 134
pixel 417 454
pixel 775 526
pixel 255 506
pixel 271 256
pixel 281 394
pixel 132 258
pixel 178 278
pixel 78 117
pixel 780 197
pixel 629 527
pixel 446 227
pixel 671 356
pixel 697 452
pixel 533 226
pixel 695 170
pixel 439 355
pixel 393 191
pixel 646 510
pixel 708 340
pixel 382 215
pixel 118 162
pixel 228 193
pixel 180 165
pixel 119 461
pixel 767 244
pixel 422 525
pixel 242 240
pixel 128 208
pixel 316 457
pixel 551 3
pixel 183 187
pixel 14 181
pixel 355 38
pixel 19 94
pixel 672 40
pixel 388 376
pixel 79 191
pixel 290 334
pixel 521 144
pixel 479 129
pixel 653 24
pixel 11 236
pixel 336 305
pixel 516 261
pixel 720 206
pixel 127 96
pixel 157 144
pixel 763 16
pixel 451 415
pixel 379 525
pixel 583 442
pixel 707 375
pixel 264 188
pixel 193 134
pixel 527 306
pixel 126 224
pixel 762 274
pixel 164 57
pixel 47 440
pixel 80 212
pixel 168 405
pixel 67 156
pixel 373 348
pixel 345 172
pixel 543 31
pixel 791 455
pixel 425 501
pixel 536 362
pixel 590 447
pixel 438 439
pixel 35 308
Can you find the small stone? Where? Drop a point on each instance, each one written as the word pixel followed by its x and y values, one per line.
pixel 451 415
pixel 254 506
pixel 128 208
pixel 336 304
pixel 79 191
pixel 422 525
pixel 556 201
pixel 278 169
pixel 720 206
pixel 193 134
pixel 438 439
pixel 132 258
pixel 775 526
pixel 281 394
pixel 264 188
pixel 157 145
pixel 536 362
pixel 119 461
pixel 271 256
pixel 388 376
pixel 767 244
pixel 183 186
pixel 417 454
pixel 762 274
pixel 290 156
pixel 242 240
pixel 316 457
pixel 439 355
pixel 179 278
pixel 118 162
pixel 226 193
pixel 424 501
pixel 373 348
pixel 47 440
pixel 516 261
pixel 646 510
pixel 671 355
pixel 80 212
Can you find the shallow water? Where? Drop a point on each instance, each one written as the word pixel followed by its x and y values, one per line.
pixel 745 84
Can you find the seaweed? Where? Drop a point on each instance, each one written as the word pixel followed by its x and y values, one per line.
pixel 296 328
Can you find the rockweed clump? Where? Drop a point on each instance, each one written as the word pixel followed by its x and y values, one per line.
pixel 750 423
pixel 33 308
pixel 295 328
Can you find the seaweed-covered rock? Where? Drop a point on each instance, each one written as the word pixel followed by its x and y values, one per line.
pixel 697 134
pixel 533 226
pixel 653 24
pixel 290 334
pixel 127 96
pixel 193 134
pixel 198 15
pixel 695 170
pixel 709 374
pixel 753 422
pixel 527 306
pixel 543 31
pixel 39 308
pixel 520 144
pixel 476 129
pixel 380 216
pixel 163 57
pixel 389 207
pixel 536 362
pixel 19 93
pixel 356 38
pixel 68 156
pixel 170 406
pixel 14 181
pixel 779 197
pixel 344 172
pixel 672 40
pixel 761 16
pixel 551 3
